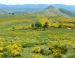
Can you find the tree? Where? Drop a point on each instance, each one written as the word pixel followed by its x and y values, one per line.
pixel 13 28
pixel 38 25
pixel 13 13
pixel 32 25
pixel 46 25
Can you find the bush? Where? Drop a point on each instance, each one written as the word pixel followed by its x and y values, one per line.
pixel 36 49
pixel 1 49
pixel 45 52
pixel 32 26
pixel 46 25
pixel 16 53
pixel 36 56
pixel 63 49
pixel 38 25
pixel 14 50
pixel 57 55
pixel 3 52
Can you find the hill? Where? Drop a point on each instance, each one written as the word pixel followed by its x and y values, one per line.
pixel 57 11
pixel 41 9
pixel 27 8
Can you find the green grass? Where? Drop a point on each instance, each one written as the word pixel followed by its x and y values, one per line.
pixel 30 37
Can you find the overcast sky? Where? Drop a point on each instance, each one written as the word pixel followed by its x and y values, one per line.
pixel 13 2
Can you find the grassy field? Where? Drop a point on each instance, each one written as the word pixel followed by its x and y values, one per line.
pixel 28 39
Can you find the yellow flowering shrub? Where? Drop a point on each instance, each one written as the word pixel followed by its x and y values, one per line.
pixel 15 46
pixel 55 50
pixel 57 55
pixel 44 19
pixel 15 53
pixel 69 25
pixel 2 52
pixel 1 49
pixel 15 49
pixel 56 24
pixel 36 49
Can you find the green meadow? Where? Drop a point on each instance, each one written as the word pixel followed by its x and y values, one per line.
pixel 18 39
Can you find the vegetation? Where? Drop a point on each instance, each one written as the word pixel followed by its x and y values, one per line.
pixel 34 36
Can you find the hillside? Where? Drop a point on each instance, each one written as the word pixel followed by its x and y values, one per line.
pixel 26 8
pixel 36 31
pixel 55 11
pixel 32 15
pixel 40 9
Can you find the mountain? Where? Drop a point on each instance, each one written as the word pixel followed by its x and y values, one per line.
pixel 26 8
pixel 68 7
pixel 58 10
pixel 67 12
pixel 40 9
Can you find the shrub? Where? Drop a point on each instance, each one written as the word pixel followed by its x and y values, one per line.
pixel 57 55
pixel 38 25
pixel 45 52
pixel 32 26
pixel 1 49
pixel 36 49
pixel 3 52
pixel 57 25
pixel 16 53
pixel 13 13
pixel 46 25
pixel 15 50
pixel 63 49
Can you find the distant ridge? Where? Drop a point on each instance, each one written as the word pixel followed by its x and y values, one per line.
pixel 56 11
pixel 41 9
pixel 26 8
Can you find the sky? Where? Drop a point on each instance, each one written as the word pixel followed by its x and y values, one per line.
pixel 14 2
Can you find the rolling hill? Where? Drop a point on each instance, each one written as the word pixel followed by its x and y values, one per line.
pixel 27 8
pixel 57 11
pixel 40 9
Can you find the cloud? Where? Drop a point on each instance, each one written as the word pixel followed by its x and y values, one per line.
pixel 67 2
